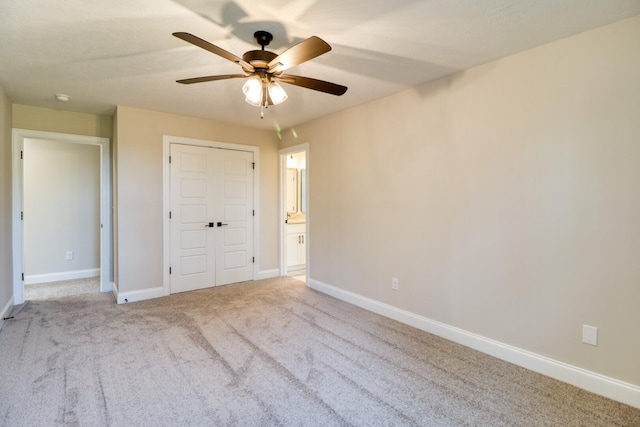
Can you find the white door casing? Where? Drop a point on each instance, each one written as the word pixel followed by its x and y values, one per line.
pixel 211 226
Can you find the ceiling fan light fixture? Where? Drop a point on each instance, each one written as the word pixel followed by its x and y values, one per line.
pixel 277 93
pixel 252 90
pixel 262 66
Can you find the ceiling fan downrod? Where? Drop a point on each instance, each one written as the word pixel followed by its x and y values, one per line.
pixel 263 38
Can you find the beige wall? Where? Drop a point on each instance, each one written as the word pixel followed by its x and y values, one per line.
pixel 50 120
pixel 62 206
pixel 6 258
pixel 139 214
pixel 504 198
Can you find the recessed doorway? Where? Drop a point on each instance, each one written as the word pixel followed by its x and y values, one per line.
pixel 64 166
pixel 294 210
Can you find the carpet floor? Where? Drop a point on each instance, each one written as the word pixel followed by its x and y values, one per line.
pixel 265 353
pixel 63 288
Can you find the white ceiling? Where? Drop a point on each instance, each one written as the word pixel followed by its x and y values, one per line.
pixel 121 52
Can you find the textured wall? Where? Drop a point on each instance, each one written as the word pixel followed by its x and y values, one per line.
pixel 505 199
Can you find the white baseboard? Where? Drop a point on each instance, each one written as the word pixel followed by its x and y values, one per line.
pixel 582 378
pixel 268 274
pixel 5 311
pixel 145 294
pixel 133 296
pixel 33 279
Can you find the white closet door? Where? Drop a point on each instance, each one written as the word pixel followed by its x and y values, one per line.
pixel 211 217
pixel 234 239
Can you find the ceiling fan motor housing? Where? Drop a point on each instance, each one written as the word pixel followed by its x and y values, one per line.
pixel 259 58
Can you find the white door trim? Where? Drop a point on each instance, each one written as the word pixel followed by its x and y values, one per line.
pixel 167 140
pixel 18 137
pixel 283 214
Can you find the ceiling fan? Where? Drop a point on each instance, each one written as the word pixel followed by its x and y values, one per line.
pixel 264 69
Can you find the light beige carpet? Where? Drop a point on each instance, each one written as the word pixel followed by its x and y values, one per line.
pixel 268 353
pixel 63 288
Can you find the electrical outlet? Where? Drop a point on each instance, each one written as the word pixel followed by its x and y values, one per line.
pixel 395 283
pixel 589 335
pixel 69 255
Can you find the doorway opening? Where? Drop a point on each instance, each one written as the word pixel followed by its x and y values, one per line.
pixel 294 212
pixel 62 215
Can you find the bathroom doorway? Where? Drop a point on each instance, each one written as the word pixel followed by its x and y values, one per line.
pixel 294 212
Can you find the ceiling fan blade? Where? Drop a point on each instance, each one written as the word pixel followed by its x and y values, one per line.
pixel 211 78
pixel 197 41
pixel 309 83
pixel 299 53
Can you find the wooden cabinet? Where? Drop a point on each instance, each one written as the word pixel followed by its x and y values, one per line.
pixel 296 247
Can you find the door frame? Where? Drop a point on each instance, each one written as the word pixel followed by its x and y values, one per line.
pixel 167 140
pixel 18 137
pixel 283 153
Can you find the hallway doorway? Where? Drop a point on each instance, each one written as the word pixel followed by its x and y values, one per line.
pixel 61 210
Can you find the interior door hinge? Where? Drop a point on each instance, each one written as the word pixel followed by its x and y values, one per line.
pixel 23 277
pixel 169 270
pixel 253 165
pixel 22 215
pixel 254 212
pixel 169 214
pixel 21 155
pixel 253 260
pixel 169 159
